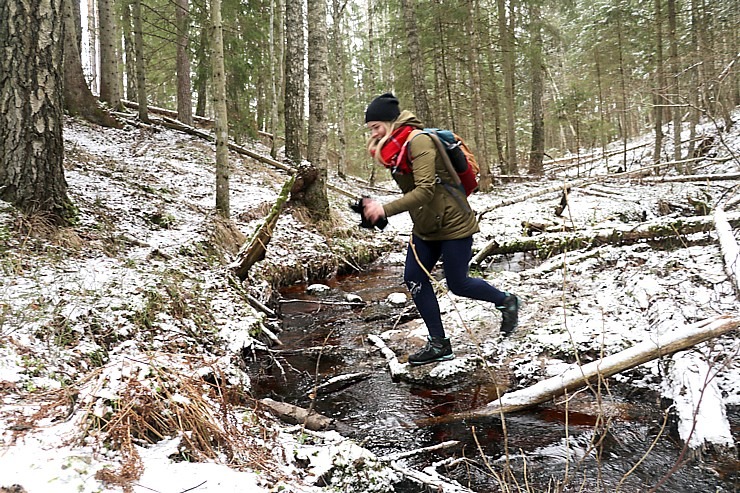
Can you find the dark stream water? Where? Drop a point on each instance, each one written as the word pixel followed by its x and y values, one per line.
pixel 383 413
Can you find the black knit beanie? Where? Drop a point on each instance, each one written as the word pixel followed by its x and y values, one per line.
pixel 384 108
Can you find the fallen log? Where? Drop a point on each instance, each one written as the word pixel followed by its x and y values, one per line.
pixel 729 247
pixel 577 376
pixel 700 178
pixel 553 243
pixel 338 383
pixel 254 250
pixel 298 415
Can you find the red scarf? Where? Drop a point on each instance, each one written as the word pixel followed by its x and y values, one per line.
pixel 393 152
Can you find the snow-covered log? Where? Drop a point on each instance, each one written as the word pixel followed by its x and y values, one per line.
pixel 688 178
pixel 553 243
pixel 702 418
pixel 396 368
pixel 729 247
pixel 254 250
pixel 577 376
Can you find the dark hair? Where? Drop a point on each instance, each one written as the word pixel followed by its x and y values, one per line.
pixel 384 108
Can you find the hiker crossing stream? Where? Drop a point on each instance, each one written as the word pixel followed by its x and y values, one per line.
pixel 619 441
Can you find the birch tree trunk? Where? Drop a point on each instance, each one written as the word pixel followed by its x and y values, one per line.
pixel 110 91
pixel 416 61
pixel 140 65
pixel 129 48
pixel 31 103
pixel 92 30
pixel 294 85
pixel 315 196
pixel 184 90
pixel 221 125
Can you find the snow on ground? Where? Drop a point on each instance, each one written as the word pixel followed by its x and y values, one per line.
pixel 134 304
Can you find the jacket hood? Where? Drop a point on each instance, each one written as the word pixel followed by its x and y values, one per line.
pixel 407 118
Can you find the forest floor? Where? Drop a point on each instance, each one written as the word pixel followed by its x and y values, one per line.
pixel 123 338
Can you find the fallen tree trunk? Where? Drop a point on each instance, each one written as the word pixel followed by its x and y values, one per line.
pixel 687 178
pixel 729 247
pixel 577 376
pixel 254 250
pixel 298 415
pixel 553 243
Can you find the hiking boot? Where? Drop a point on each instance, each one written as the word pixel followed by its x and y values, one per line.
pixel 509 314
pixel 436 349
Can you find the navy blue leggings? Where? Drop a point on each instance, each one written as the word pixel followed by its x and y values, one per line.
pixel 455 257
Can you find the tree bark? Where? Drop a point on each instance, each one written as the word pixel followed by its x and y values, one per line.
pixel 31 103
pixel 129 48
pixel 338 83
pixel 78 98
pixel 659 97
pixel 416 62
pixel 141 93
pixel 184 89
pixel 674 87
pixel 315 197
pixel 294 85
pixel 110 91
pixel 537 149
pixel 578 376
pixel 221 127
pixel 473 48
pixel 506 34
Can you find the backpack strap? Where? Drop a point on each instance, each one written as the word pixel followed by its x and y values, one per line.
pixel 456 182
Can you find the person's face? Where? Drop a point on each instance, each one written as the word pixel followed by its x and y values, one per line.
pixel 377 130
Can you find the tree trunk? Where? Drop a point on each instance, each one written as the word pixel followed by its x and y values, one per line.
pixel 219 105
pixel 674 89
pixel 505 24
pixel 578 376
pixel 315 197
pixel 184 89
pixel 92 29
pixel 141 93
pixel 294 85
pixel 31 103
pixel 274 69
pixel 129 48
pixel 537 149
pixel 202 67
pixel 416 61
pixel 78 98
pixel 108 36
pixel 473 48
pixel 659 97
pixel 338 82
pixel 623 89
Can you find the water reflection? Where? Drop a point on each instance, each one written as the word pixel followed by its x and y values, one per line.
pixel 544 449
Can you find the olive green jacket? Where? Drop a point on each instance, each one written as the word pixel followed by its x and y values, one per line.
pixel 439 212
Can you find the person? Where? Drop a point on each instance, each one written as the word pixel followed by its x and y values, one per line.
pixel 444 223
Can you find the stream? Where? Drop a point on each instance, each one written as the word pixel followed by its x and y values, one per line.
pixel 552 446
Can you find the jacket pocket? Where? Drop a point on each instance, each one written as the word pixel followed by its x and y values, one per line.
pixel 426 220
